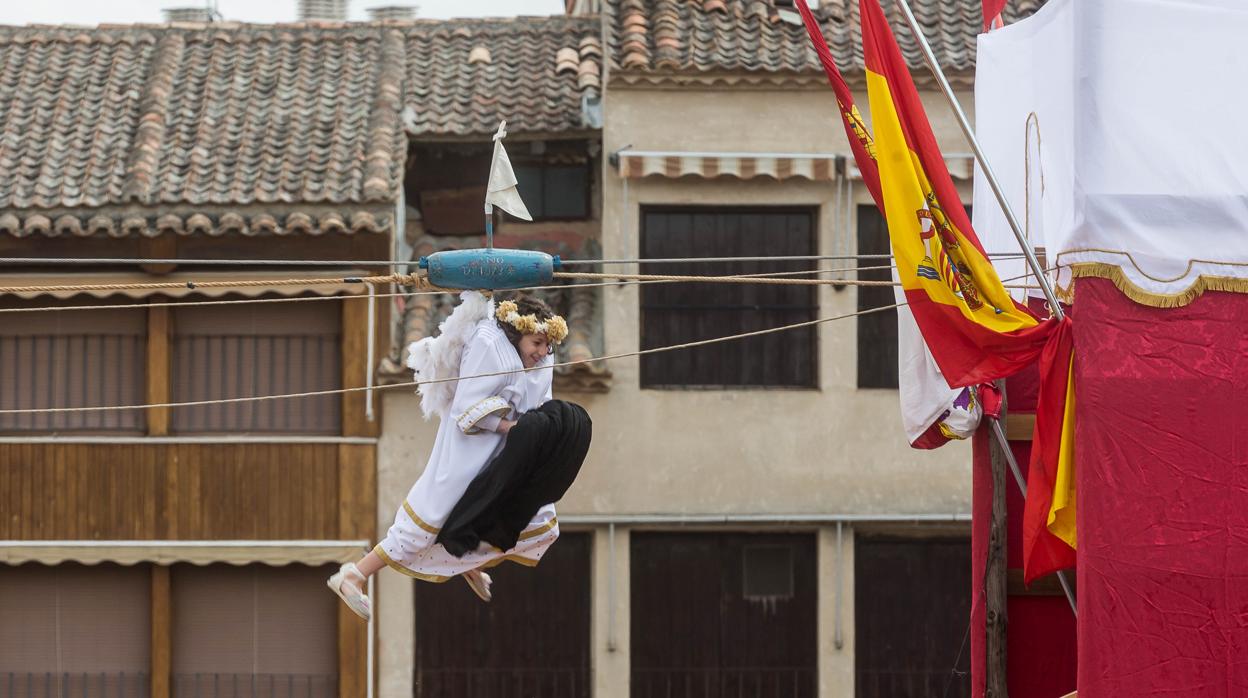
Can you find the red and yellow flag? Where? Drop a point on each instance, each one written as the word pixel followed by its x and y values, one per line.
pixel 974 329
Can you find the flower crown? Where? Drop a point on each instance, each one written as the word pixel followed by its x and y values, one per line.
pixel 554 327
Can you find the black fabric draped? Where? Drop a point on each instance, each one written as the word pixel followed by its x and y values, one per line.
pixel 537 465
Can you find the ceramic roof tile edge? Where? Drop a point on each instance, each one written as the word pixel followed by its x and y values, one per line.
pixel 119 222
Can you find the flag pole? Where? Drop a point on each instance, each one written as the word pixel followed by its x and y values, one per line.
pixel 1032 262
pixel 930 58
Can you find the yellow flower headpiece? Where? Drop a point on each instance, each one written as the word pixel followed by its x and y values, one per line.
pixel 554 327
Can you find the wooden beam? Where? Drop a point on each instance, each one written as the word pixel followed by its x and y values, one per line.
pixel 995 579
pixel 352 654
pixel 357 519
pixel 158 369
pixel 164 246
pixel 1019 426
pixel 162 627
pixel 355 367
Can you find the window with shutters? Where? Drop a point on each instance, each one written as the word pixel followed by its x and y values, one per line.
pixel 257 349
pixel 72 359
pixel 677 313
pixel 255 631
pixel 75 630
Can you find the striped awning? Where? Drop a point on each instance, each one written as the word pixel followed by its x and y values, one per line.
pixel 635 164
pixel 167 552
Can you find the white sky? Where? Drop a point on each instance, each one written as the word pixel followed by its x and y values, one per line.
pixel 92 12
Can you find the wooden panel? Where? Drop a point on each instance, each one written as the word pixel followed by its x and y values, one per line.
pixel 354 368
pixel 161 491
pixel 697 630
pixel 532 640
pixel 357 492
pixel 912 599
pixel 1019 426
pixel 352 653
pixel 158 370
pixel 162 623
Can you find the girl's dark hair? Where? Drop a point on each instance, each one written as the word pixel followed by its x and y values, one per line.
pixel 525 305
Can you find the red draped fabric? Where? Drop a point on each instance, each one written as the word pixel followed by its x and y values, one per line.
pixel 1162 452
pixel 1041 640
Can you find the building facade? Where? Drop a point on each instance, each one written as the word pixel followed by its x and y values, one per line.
pixel 750 520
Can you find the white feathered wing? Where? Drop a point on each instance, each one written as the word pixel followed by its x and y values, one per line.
pixel 438 357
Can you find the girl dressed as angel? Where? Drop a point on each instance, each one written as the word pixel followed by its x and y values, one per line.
pixel 476 415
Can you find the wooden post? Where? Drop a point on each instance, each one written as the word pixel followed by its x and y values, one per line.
pixel 995 580
pixel 354 367
pixel 158 390
pixel 162 626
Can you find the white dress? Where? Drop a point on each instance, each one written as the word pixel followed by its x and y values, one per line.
pixel 465 444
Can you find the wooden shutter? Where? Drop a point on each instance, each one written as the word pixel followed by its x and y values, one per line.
pixel 532 640
pixel 254 631
pixel 699 626
pixel 877 332
pixel 912 598
pixel 684 312
pixel 262 349
pixel 72 359
pixel 74 630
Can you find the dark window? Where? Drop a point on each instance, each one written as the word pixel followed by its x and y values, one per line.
pixel 73 359
pixel 533 640
pixel 912 599
pixel 554 192
pixel 677 313
pixel 696 630
pixel 877 332
pixel 261 349
pixel 768 571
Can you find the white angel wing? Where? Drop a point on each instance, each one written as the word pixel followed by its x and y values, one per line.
pixel 435 358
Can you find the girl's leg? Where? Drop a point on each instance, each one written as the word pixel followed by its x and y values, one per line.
pixel 369 565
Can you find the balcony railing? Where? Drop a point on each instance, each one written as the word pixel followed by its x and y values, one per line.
pixel 714 682
pixel 503 683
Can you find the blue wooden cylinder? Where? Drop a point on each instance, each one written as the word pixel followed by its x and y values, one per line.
pixel 489 269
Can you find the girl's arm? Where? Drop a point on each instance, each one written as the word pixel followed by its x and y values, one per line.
pixel 478 404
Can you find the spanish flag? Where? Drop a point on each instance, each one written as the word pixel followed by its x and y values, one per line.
pixel 974 329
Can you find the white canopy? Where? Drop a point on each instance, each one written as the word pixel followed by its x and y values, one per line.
pixel 1134 166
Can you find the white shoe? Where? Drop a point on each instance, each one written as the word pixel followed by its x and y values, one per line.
pixel 480 583
pixel 357 601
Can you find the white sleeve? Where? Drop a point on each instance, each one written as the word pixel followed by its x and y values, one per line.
pixel 477 399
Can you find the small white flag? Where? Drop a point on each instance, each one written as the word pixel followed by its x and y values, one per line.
pixel 502 191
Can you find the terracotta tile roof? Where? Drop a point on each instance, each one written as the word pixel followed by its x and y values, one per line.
pixel 749 36
pixel 463 77
pixel 251 128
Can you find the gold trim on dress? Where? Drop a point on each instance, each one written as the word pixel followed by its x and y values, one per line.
pixel 467 422
pixel 435 578
pixel 427 528
pixel 525 535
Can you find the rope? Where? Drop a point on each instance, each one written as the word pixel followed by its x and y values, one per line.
pixel 182 304
pixel 723 279
pixel 413 384
pixel 404 279
pixel 59 261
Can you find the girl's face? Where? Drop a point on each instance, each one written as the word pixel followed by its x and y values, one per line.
pixel 533 348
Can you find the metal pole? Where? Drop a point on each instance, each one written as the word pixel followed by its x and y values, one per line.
pixel 611 587
pixel 489 226
pixel 930 58
pixel 838 634
pixel 1022 487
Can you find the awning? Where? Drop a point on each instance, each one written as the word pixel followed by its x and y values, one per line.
pixel 165 552
pixel 635 164
pixel 184 279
